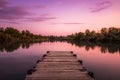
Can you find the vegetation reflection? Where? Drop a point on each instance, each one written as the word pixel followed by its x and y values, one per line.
pixel 107 39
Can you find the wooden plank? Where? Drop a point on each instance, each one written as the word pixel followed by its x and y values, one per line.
pixel 59 65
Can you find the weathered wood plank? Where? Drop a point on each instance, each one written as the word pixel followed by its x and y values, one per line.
pixel 59 65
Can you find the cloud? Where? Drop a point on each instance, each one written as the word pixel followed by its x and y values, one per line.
pixel 41 6
pixel 8 12
pixel 3 3
pixel 13 13
pixel 12 22
pixel 101 6
pixel 69 23
pixel 73 23
pixel 59 2
pixel 40 18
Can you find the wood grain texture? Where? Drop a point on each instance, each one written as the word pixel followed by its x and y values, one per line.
pixel 59 65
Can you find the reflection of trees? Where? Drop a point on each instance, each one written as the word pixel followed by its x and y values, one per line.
pixel 25 45
pixel 107 39
pixel 105 47
pixel 111 47
pixel 12 46
pixel 1 48
pixel 9 47
pixel 87 48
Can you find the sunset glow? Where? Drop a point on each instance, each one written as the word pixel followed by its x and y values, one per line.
pixel 59 17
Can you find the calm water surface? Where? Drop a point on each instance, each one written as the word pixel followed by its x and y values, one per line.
pixel 103 62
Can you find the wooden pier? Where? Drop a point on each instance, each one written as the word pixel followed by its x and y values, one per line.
pixel 58 65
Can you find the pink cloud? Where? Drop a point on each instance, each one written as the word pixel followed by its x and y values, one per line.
pixel 73 23
pixel 3 3
pixel 40 18
pixel 101 6
pixel 41 6
pixel 13 13
pixel 68 23
pixel 8 12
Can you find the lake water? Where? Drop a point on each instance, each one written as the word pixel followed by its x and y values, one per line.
pixel 102 60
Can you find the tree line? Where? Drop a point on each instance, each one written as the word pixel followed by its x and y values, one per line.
pixel 11 34
pixel 105 35
pixel 111 34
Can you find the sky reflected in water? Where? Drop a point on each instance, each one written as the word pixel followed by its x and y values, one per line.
pixel 14 64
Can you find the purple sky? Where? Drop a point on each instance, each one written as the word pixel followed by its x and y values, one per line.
pixel 59 17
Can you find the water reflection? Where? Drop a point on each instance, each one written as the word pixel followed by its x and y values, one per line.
pixel 10 47
pixel 104 47
pixel 15 62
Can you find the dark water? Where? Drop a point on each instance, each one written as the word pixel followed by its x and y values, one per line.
pixel 102 60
